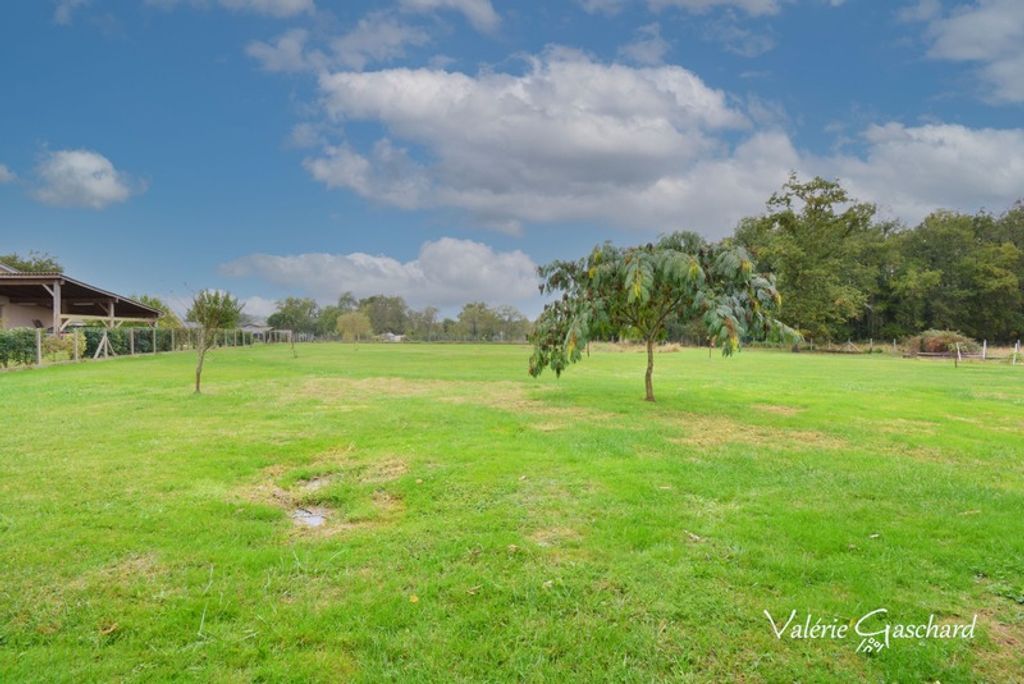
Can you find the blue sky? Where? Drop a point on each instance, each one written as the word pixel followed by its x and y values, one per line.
pixel 440 149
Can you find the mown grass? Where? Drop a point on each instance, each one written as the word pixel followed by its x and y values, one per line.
pixel 486 526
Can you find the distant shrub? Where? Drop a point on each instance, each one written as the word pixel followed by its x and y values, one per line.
pixel 939 341
pixel 17 346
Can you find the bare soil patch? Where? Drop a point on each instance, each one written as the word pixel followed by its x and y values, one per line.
pixel 705 431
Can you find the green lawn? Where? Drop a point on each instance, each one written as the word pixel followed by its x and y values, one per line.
pixel 482 525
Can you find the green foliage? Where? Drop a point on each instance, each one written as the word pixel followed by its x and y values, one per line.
pixel 631 293
pixel 35 262
pixel 823 248
pixel 17 347
pixel 298 314
pixel 386 314
pixel 354 326
pixel 168 319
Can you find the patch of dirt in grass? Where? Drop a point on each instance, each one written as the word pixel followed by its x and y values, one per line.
pixel 778 409
pixel 315 516
pixel 1003 658
pixel 704 431
pixel 506 396
pixel 130 568
pixel 383 471
pixel 554 536
pixel 903 426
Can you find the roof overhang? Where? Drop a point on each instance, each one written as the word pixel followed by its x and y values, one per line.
pixel 76 297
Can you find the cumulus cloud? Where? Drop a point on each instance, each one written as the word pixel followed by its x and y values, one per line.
pixel 273 8
pixel 752 7
pixel 479 13
pixel 989 33
pixel 910 171
pixel 285 53
pixel 6 175
pixel 647 47
pixel 82 178
pixel 563 140
pixel 447 272
pixel 653 148
pixel 377 37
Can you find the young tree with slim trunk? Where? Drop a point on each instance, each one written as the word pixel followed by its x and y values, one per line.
pixel 632 292
pixel 354 326
pixel 213 311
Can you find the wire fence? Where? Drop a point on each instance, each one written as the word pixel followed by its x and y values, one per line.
pixel 37 347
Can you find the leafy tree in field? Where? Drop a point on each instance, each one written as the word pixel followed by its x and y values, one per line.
pixel 423 325
pixel 477 321
pixel 169 319
pixel 387 314
pixel 512 324
pixel 212 311
pixel 35 262
pixel 296 314
pixel 824 248
pixel 632 291
pixel 327 319
pixel 353 326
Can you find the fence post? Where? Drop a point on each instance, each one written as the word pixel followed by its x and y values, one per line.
pixel 74 334
pixel 984 349
pixel 131 341
pixel 39 347
pixel 956 361
pixel 172 339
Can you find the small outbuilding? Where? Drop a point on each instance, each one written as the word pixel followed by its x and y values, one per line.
pixel 52 301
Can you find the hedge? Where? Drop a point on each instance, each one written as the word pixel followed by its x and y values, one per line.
pixel 17 346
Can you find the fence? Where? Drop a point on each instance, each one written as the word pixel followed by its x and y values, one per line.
pixel 28 346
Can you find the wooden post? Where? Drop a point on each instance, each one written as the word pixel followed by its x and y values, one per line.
pixel 39 346
pixel 956 361
pixel 984 349
pixel 56 307
pixel 131 341
pixel 75 334
pixel 154 340
pixel 894 350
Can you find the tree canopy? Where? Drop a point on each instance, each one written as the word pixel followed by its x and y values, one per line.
pixel 212 311
pixel 35 262
pixel 168 319
pixel 631 292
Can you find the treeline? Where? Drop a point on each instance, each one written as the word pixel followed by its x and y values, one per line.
pixel 844 273
pixel 378 315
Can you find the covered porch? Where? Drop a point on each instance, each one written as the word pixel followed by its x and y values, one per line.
pixel 53 301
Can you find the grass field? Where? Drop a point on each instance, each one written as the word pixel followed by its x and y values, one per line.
pixel 482 525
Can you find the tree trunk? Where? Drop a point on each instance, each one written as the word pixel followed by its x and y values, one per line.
pixel 202 356
pixel 650 370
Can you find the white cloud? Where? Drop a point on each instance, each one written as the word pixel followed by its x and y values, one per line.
pixel 448 272
pixel 752 7
pixel 652 148
pixel 911 171
pixel 377 37
pixel 64 11
pixel 737 39
pixel 479 13
pixel 647 47
pixel 274 8
pixel 82 178
pixel 609 7
pixel 257 306
pixel 989 33
pixel 6 175
pixel 286 53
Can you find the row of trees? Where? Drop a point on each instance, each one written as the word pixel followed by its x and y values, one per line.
pixel 380 314
pixel 845 273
